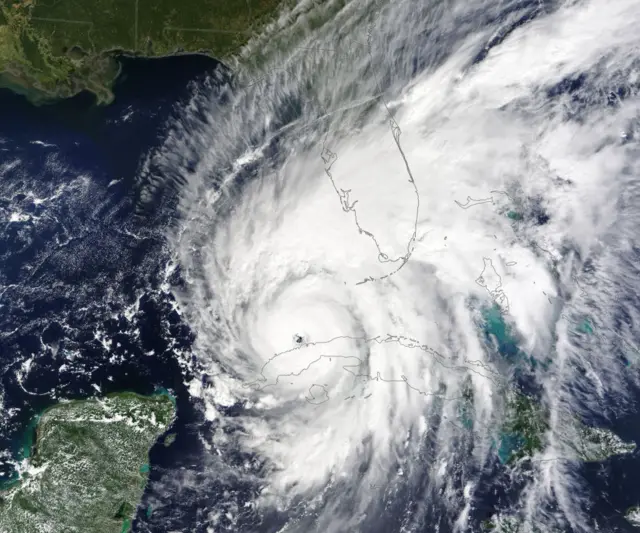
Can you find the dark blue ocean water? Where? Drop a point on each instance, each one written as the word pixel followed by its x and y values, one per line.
pixel 75 254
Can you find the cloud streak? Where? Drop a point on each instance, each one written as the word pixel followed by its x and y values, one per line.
pixel 339 251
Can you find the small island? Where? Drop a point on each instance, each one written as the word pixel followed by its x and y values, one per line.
pixel 89 467
pixel 501 524
pixel 633 516
pixel 598 444
pixel 52 50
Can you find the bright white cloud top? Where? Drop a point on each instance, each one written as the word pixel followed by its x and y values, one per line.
pixel 380 177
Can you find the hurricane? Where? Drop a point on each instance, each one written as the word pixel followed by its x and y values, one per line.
pixel 395 221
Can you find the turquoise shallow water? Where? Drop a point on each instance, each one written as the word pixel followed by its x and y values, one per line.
pixel 499 332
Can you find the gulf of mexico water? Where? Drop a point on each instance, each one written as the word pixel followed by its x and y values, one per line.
pixel 85 308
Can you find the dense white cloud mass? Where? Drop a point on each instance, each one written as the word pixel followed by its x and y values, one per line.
pixel 379 176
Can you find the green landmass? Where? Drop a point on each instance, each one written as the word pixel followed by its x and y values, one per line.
pixel 522 434
pixel 502 523
pixel 51 49
pixel 169 439
pixel 597 444
pixel 89 467
pixel 466 408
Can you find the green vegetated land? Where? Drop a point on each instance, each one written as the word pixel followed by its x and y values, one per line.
pixel 526 421
pixel 598 444
pixel 89 468
pixel 53 49
pixel 523 428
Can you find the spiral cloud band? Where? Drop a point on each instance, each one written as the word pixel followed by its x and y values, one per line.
pixel 375 181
